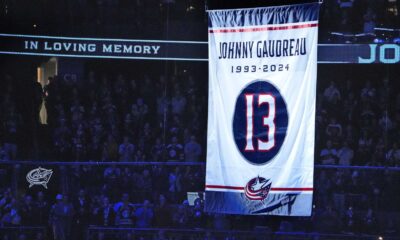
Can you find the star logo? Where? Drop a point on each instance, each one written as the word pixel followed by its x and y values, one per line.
pixel 39 176
pixel 257 188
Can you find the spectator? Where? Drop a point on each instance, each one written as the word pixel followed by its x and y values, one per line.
pixel 12 214
pixel 175 186
pixel 160 236
pixel 162 107
pixel 176 126
pixel 79 143
pixel 139 156
pixel 199 219
pixel 365 141
pixel 221 222
pixel 349 107
pixel 94 148
pixel 160 179
pixel 126 179
pixel 328 155
pixel 370 222
pixel 112 172
pixel 158 150
pixel 379 156
pixel 345 155
pixel 385 122
pixel 10 139
pixel 178 103
pixel 146 90
pixel 369 21
pixel 112 179
pixel 144 215
pixel 5 198
pixel 191 88
pixel 144 184
pixel 126 150
pixel 104 215
pixel 133 88
pixel 110 149
pixel 329 220
pixel 139 112
pixel 61 218
pixel 182 216
pixel 128 127
pixel 125 212
pixel 162 213
pixel 81 218
pixel 332 93
pixel 350 135
pixel 77 111
pixel 28 212
pixel 350 220
pixel 187 179
pixel 334 132
pixel 393 155
pixel 61 140
pixel 42 209
pixel 192 150
pixel 175 150
pixel 368 93
pixel 346 8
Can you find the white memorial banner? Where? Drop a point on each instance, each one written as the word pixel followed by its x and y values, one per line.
pixel 261 110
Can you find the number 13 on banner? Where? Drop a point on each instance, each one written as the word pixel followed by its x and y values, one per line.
pixel 268 122
pixel 260 122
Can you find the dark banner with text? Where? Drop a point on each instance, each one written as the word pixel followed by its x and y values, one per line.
pixel 175 50
pixel 102 48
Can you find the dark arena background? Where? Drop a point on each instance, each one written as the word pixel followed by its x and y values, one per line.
pixel 111 96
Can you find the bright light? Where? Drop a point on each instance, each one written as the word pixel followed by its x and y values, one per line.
pixel 380 238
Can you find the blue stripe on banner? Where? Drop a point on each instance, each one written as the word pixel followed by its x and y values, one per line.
pixel 275 204
pixel 263 16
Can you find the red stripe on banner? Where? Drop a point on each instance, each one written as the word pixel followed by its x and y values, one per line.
pixel 224 187
pixel 259 29
pixel 272 189
pixel 292 189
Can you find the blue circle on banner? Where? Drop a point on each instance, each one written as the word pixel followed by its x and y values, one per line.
pixel 260 122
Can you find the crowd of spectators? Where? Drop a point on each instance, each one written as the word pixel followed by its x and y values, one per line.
pixel 346 201
pixel 358 125
pixel 117 117
pixel 112 118
pixel 10 120
pixel 125 119
pixel 19 105
pixel 359 16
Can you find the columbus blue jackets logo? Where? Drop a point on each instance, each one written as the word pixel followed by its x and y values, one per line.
pixel 257 188
pixel 39 176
